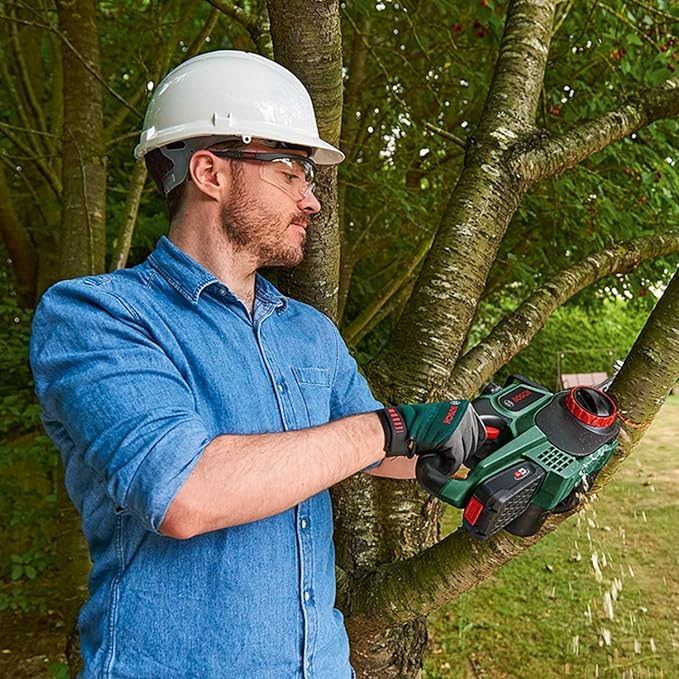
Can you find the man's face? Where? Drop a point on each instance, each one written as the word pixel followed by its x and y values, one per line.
pixel 262 220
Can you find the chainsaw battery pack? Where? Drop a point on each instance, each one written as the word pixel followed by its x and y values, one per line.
pixel 501 499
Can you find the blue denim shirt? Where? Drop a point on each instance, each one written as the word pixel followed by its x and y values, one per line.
pixel 137 371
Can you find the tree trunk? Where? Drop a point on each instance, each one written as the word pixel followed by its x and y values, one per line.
pixel 307 40
pixel 82 245
pixel 19 246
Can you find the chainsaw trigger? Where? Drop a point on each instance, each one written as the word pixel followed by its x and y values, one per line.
pixel 412 446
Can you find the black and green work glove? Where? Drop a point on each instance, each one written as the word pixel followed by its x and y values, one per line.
pixel 451 429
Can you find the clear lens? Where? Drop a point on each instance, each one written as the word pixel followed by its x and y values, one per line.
pixel 293 175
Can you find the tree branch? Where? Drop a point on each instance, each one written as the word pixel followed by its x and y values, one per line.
pixel 417 362
pixel 355 329
pixel 649 372
pixel 256 28
pixel 552 155
pixel 354 89
pixel 19 105
pixel 19 245
pixel 404 590
pixel 631 25
pixel 164 48
pixel 515 90
pixel 199 41
pixel 45 170
pixel 446 135
pixel 25 81
pixel 124 239
pixel 654 10
pixel 69 44
pixel 516 331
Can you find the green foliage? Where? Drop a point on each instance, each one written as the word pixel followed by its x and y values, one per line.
pixel 59 671
pixel 579 341
pixel 27 468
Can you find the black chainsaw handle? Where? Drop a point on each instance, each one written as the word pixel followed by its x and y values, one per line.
pixel 434 471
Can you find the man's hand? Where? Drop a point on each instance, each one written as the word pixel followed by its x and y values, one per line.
pixel 451 429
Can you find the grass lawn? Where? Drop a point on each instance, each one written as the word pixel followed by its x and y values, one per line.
pixel 597 598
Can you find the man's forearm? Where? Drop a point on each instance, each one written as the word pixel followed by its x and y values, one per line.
pixel 240 479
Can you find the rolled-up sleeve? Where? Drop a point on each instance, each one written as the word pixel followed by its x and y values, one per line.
pixel 114 397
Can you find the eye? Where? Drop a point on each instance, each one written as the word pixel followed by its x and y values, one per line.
pixel 291 178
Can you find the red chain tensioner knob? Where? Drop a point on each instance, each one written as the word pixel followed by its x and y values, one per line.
pixel 591 406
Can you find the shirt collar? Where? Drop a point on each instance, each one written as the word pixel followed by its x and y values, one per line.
pixel 190 278
pixel 268 293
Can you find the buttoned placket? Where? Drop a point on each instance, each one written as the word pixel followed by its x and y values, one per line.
pixel 303 511
pixel 306 570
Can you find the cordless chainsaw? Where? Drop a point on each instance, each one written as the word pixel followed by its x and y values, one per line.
pixel 543 449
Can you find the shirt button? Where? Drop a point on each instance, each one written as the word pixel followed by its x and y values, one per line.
pixel 222 292
pixel 303 523
pixel 307 596
pixel 281 387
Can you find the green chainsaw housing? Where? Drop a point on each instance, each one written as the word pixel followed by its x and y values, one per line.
pixel 543 450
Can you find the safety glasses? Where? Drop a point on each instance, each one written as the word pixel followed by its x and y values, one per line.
pixel 290 173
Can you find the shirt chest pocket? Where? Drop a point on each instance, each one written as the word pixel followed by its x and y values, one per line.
pixel 314 388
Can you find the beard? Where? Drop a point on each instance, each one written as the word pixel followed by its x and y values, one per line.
pixel 263 233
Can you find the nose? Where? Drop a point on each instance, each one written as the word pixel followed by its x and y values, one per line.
pixel 309 204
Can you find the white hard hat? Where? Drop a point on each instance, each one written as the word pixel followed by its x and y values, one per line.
pixel 229 94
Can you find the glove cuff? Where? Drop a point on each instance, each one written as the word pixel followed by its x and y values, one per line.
pixel 395 432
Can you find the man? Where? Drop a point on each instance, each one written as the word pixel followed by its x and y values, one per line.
pixel 202 416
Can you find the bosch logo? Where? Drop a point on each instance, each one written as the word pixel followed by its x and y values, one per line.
pixel 520 473
pixel 517 398
pixel 451 413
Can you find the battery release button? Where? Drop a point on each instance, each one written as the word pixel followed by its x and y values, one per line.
pixel 473 511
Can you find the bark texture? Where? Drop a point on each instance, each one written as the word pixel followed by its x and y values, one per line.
pixel 307 40
pixel 19 245
pixel 420 357
pixel 124 240
pixel 553 155
pixel 650 371
pixel 82 246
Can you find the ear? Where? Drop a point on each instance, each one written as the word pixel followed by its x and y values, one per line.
pixel 208 174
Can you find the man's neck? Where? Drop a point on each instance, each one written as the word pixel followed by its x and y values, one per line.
pixel 213 251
